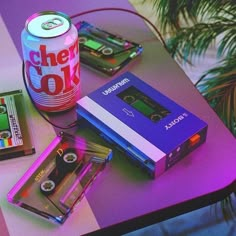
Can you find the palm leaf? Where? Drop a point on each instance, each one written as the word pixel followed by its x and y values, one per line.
pixel 195 40
pixel 227 208
pixel 193 26
pixel 173 14
pixel 218 86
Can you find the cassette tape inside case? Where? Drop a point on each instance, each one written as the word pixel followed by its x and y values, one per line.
pixel 104 51
pixel 59 178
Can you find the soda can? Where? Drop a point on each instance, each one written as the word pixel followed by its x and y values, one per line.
pixel 51 56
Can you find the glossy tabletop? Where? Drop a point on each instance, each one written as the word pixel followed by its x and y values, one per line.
pixel 123 198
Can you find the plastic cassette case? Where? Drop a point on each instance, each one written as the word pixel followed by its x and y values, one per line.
pixel 153 130
pixel 59 178
pixel 15 138
pixel 103 51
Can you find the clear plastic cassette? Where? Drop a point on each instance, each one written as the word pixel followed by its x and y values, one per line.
pixel 104 51
pixel 59 178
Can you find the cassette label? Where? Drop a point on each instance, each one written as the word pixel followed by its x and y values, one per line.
pixel 10 133
pixel 15 138
pixel 59 178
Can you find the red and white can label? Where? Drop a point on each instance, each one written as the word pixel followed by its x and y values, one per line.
pixel 54 77
pixel 53 68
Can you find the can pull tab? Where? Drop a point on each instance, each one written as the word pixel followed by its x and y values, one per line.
pixel 52 24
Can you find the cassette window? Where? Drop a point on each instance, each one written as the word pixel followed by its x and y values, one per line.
pixel 144 104
pixel 58 179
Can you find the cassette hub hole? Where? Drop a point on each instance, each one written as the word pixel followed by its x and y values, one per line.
pixel 47 186
pixel 82 40
pixel 107 51
pixel 70 157
pixel 2 109
pixel 5 134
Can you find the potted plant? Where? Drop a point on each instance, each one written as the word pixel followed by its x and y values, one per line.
pixel 191 28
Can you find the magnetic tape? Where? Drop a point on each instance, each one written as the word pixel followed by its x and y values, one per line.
pixel 59 178
pixel 15 138
pixel 104 51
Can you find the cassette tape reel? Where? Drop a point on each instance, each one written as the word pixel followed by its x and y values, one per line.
pixel 59 178
pixel 104 51
pixel 66 163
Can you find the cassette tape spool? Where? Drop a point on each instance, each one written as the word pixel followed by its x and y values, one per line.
pixel 15 138
pixel 59 178
pixel 103 50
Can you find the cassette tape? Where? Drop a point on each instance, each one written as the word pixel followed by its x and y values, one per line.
pixel 15 138
pixel 103 51
pixel 152 130
pixel 59 178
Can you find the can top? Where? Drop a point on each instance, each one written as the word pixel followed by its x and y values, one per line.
pixel 48 24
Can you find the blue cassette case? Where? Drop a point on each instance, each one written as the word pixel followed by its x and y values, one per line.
pixel 153 130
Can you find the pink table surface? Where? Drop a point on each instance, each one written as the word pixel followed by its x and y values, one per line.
pixel 124 198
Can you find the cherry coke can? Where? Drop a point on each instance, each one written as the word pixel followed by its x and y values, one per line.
pixel 51 56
